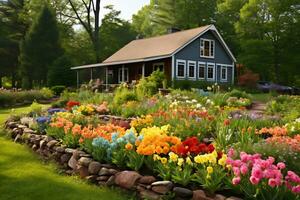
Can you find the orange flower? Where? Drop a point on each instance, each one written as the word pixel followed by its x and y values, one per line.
pixel 128 146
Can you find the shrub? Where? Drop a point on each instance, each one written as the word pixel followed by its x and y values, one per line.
pixel 58 89
pixel 124 94
pixel 239 94
pixel 10 98
pixel 149 86
pixel 248 79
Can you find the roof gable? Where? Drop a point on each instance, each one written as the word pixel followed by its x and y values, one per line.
pixel 156 46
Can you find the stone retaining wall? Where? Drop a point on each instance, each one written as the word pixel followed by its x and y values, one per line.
pixel 75 161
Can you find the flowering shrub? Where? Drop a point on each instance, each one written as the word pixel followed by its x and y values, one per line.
pixel 192 146
pixel 262 178
pixel 71 104
pixel 275 131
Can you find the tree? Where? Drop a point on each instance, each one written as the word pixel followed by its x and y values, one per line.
pixel 12 31
pixel 60 72
pixel 114 33
pixel 265 23
pixel 40 48
pixel 90 20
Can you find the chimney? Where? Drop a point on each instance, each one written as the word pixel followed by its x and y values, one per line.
pixel 173 30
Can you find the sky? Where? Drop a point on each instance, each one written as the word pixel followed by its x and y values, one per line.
pixel 127 7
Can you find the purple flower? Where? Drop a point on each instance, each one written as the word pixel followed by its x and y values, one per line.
pixel 42 120
pixel 51 111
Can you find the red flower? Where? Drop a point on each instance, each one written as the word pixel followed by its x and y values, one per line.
pixel 226 122
pixel 71 104
pixel 193 146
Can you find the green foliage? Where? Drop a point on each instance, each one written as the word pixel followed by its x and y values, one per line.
pixel 148 86
pixel 123 94
pixel 10 98
pixel 58 89
pixel 40 48
pixel 60 72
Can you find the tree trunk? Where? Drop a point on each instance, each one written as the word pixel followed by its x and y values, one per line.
pixel 96 32
pixel 0 81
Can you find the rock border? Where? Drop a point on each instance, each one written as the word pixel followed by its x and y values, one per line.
pixel 77 162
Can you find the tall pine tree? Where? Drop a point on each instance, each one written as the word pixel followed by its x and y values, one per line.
pixel 40 48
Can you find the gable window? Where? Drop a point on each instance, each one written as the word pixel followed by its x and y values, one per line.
pixel 223 73
pixel 210 71
pixel 123 75
pixel 207 48
pixel 201 70
pixel 158 66
pixel 191 69
pixel 180 68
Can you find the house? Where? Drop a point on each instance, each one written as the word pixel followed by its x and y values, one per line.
pixel 198 55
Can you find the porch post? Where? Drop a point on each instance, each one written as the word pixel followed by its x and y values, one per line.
pixel 91 75
pixel 123 74
pixel 232 78
pixel 77 76
pixel 106 78
pixel 143 70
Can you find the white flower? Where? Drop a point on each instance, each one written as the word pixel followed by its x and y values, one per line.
pixel 208 88
pixel 198 105
pixel 194 101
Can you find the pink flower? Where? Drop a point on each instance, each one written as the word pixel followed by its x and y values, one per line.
pixel 236 180
pixel 257 173
pixel 244 157
pixel 231 152
pixel 296 189
pixel 244 169
pixel 236 171
pixel 281 165
pixel 272 182
pixel 254 180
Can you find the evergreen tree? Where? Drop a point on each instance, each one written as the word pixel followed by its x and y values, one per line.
pixel 60 72
pixel 40 48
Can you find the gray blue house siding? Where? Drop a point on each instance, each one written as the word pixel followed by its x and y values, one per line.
pixel 221 59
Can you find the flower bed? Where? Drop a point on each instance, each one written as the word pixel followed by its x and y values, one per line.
pixel 185 142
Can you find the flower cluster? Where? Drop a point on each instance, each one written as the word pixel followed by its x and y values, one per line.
pixel 192 146
pixel 71 104
pixel 142 122
pixel 86 109
pixel 274 131
pixel 258 170
pixel 293 143
pixel 154 140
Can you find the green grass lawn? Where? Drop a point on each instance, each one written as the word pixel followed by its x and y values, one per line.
pixel 24 176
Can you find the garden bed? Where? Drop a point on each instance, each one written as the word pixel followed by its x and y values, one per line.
pixel 75 161
pixel 186 143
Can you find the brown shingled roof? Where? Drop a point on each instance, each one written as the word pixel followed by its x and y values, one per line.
pixel 155 47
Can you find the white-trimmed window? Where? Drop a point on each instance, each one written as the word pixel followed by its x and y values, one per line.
pixel 210 72
pixel 207 48
pixel 223 73
pixel 123 75
pixel 159 66
pixel 180 68
pixel 191 69
pixel 201 70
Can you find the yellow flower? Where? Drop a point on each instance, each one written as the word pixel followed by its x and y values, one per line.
pixel 156 157
pixel 188 161
pixel 163 160
pixel 222 161
pixel 180 161
pixel 209 170
pixel 173 156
